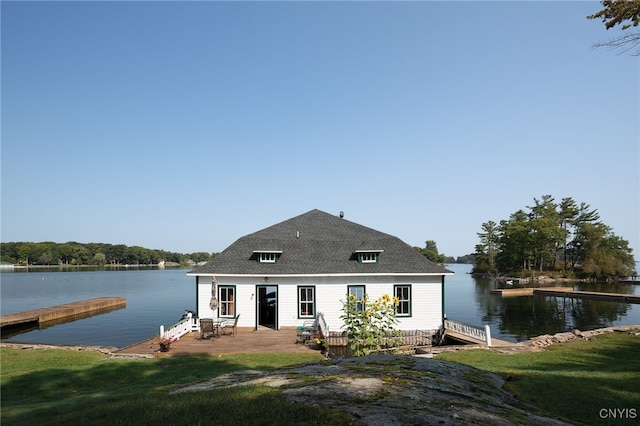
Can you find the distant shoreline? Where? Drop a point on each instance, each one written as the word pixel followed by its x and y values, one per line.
pixel 106 266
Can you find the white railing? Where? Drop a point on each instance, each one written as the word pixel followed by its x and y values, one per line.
pixel 182 327
pixel 322 325
pixel 469 330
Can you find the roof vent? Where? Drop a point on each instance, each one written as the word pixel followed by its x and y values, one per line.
pixel 341 214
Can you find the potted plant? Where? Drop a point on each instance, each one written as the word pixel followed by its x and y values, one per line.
pixel 165 343
pixel 320 342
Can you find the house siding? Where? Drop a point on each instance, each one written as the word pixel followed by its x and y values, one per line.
pixel 426 297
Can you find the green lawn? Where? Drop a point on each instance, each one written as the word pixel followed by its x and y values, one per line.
pixel 580 381
pixel 573 382
pixel 68 387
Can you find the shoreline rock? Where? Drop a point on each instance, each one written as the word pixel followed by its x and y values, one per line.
pixel 381 390
pixel 541 342
pixel 112 351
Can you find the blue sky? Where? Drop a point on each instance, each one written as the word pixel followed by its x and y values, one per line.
pixel 184 126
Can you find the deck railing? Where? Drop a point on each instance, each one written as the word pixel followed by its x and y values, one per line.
pixel 184 326
pixel 322 325
pixel 400 341
pixel 468 330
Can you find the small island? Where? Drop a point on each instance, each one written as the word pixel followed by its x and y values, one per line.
pixel 553 241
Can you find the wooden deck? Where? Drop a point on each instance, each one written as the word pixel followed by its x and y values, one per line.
pixel 247 340
pixel 54 313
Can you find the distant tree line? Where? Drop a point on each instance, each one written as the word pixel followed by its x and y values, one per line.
pixel 551 236
pixel 430 251
pixel 73 253
pixel 467 258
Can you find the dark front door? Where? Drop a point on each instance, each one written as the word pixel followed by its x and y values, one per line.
pixel 268 306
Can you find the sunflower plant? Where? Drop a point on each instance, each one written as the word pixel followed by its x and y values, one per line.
pixel 370 326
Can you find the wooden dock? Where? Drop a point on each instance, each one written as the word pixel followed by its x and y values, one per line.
pixel 567 292
pixel 53 313
pixel 526 291
pixel 614 297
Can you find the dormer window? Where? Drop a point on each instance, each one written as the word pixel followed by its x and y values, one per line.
pixel 267 256
pixel 368 256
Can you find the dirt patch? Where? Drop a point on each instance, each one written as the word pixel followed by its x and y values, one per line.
pixel 390 389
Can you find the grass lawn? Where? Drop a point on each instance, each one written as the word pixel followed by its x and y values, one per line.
pixel 57 386
pixel 574 382
pixel 583 382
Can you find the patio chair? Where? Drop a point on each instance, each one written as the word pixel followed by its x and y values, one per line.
pixel 307 330
pixel 206 326
pixel 228 325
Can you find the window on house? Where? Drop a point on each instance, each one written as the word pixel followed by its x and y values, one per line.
pixel 368 256
pixel 306 302
pixel 358 291
pixel 403 293
pixel 267 256
pixel 227 301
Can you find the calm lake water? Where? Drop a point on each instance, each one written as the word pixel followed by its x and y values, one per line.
pixel 154 297
pixel 157 297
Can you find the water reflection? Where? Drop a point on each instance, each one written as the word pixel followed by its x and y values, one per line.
pixel 519 318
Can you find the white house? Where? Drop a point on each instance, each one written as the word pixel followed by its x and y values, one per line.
pixel 285 274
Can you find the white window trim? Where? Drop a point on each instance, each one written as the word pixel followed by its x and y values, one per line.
pixel 311 302
pixel 267 256
pixel 229 303
pixel 368 256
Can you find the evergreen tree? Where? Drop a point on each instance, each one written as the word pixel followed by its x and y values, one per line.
pixel 549 233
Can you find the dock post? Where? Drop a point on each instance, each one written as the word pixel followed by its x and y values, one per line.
pixel 487 330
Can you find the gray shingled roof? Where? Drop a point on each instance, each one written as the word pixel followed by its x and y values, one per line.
pixel 318 243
